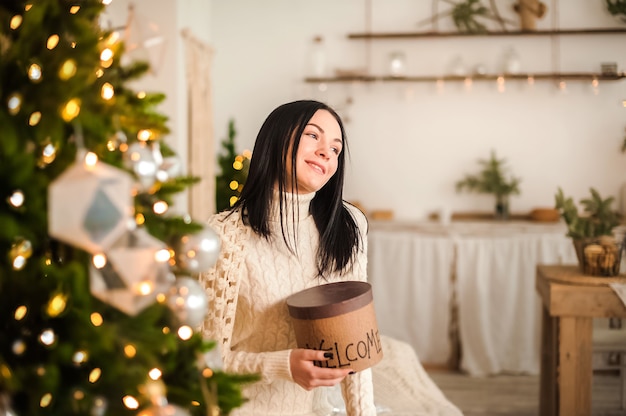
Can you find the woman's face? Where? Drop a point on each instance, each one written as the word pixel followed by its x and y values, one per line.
pixel 318 153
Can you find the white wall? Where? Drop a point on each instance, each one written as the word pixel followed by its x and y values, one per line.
pixel 410 144
pixel 166 18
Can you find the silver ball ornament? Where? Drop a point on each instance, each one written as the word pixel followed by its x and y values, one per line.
pixel 188 301
pixel 198 252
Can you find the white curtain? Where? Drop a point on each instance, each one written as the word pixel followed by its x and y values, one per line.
pixel 411 277
pixel 201 149
pixel 499 309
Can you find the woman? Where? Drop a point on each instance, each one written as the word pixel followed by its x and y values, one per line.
pixel 290 230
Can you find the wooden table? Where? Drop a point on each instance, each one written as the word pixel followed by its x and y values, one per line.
pixel 570 302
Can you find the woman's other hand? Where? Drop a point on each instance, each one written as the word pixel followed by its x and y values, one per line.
pixel 309 376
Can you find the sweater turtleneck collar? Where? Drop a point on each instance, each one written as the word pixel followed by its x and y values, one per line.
pixel 298 202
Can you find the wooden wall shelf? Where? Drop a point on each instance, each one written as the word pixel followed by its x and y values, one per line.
pixel 563 76
pixel 411 35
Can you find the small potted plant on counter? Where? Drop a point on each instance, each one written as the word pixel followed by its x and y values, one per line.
pixel 597 249
pixel 492 180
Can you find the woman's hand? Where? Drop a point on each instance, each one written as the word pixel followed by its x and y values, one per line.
pixel 307 375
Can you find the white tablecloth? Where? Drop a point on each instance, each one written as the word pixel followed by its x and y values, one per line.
pixel 487 268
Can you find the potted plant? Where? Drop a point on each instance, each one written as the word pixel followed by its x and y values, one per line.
pixel 597 249
pixel 617 8
pixel 492 179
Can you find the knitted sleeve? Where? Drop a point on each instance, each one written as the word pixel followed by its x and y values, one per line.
pixel 221 284
pixel 357 389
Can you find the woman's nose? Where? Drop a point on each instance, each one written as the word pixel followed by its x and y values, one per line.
pixel 322 151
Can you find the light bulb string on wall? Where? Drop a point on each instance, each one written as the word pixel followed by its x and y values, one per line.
pixel 368 29
pixel 555 40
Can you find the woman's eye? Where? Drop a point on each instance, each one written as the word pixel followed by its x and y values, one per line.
pixel 313 135
pixel 336 150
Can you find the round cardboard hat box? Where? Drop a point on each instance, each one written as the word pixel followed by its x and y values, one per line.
pixel 338 318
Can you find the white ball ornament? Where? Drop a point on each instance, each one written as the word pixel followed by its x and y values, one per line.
pixel 188 301
pixel 198 252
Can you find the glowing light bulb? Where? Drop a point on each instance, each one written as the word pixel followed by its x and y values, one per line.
pixel 34 118
pixel 145 288
pixel 68 69
pixel 130 350
pixel 144 135
pixel 20 312
pixel 80 357
pixel 96 319
pixel 45 401
pixel 48 154
pixel 52 41
pixel 185 332
pixel 34 73
pixel 160 207
pixel 155 374
pixel 106 54
pixel 162 255
pixel 107 92
pixel 14 103
pixel 16 199
pixel 130 402
pixel 71 109
pixel 501 84
pixel 91 159
pixel 47 337
pixel 99 261
pixel 57 305
pixel 95 375
pixel 16 22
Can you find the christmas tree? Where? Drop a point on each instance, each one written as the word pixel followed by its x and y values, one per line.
pixel 233 171
pixel 99 312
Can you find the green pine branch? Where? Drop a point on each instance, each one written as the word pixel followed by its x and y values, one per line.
pixel 491 179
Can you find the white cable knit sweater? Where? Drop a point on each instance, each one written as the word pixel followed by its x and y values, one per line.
pixel 248 315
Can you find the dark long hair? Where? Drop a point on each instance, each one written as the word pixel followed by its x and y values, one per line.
pixel 278 140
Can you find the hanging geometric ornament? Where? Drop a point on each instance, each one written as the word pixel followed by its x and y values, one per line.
pixel 197 252
pixel 90 204
pixel 140 157
pixel 132 272
pixel 188 300
pixel 143 41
